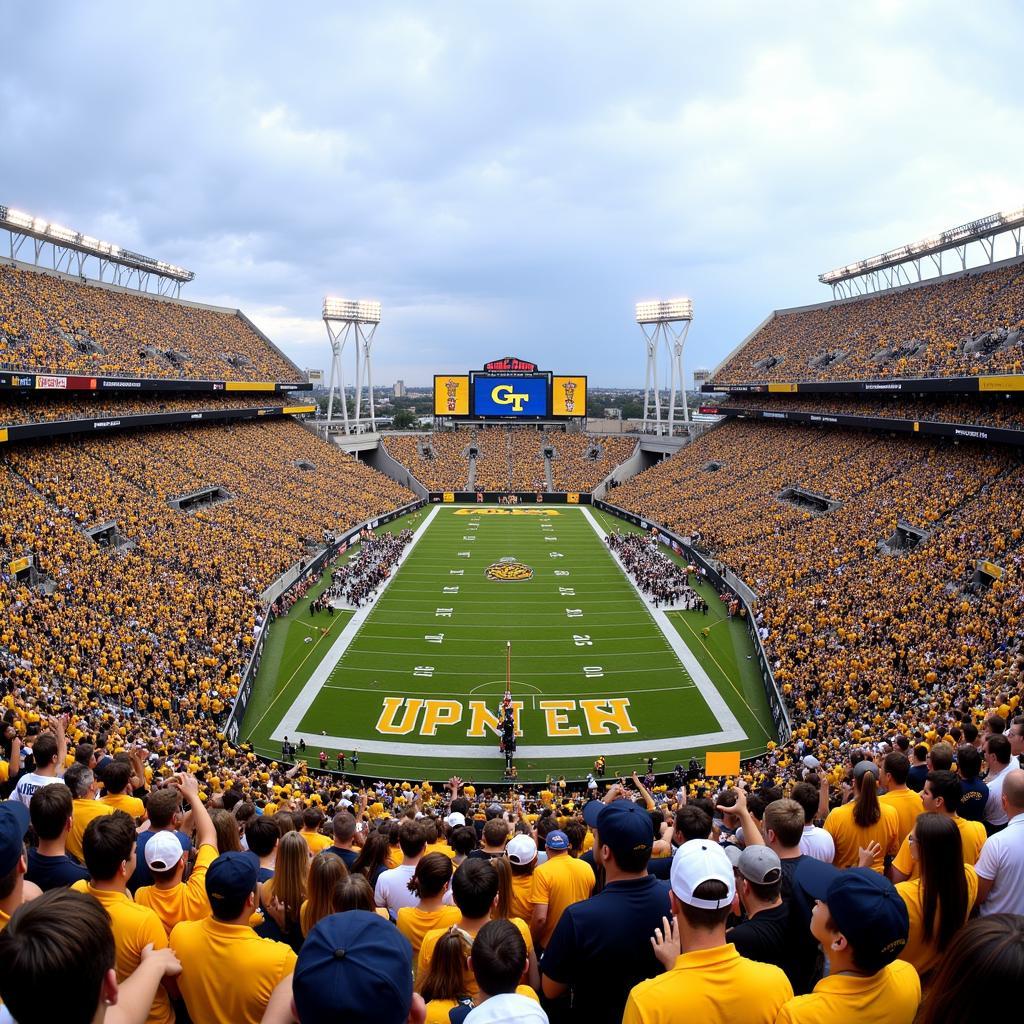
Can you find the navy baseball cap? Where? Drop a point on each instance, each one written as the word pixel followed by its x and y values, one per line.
pixel 591 810
pixel 353 967
pixel 230 879
pixel 557 840
pixel 865 907
pixel 626 828
pixel 14 819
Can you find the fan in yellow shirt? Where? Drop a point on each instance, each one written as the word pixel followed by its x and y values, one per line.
pixel 863 925
pixel 172 899
pixel 110 852
pixel 557 883
pixel 83 785
pixel 117 777
pixel 906 803
pixel 940 899
pixel 705 978
pixel 941 795
pixel 228 971
pixel 312 819
pixel 430 882
pixel 863 822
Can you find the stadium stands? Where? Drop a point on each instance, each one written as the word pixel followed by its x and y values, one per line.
pixel 32 408
pixel 964 325
pixel 53 324
pixel 983 410
pixel 509 458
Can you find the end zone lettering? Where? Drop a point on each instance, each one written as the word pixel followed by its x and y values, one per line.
pixel 404 716
pixel 506 511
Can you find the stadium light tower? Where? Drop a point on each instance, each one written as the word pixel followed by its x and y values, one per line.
pixel 669 319
pixel 358 319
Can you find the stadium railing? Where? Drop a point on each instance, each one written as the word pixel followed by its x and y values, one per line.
pixel 682 546
pixel 278 589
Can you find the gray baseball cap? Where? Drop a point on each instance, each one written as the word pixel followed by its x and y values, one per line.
pixel 760 865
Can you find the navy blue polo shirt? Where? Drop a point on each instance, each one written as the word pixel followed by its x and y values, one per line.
pixel 53 872
pixel 601 946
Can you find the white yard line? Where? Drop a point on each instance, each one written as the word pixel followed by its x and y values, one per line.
pixel 730 730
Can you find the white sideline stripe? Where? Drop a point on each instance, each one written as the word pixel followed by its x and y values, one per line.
pixel 726 719
pixel 730 731
pixel 322 673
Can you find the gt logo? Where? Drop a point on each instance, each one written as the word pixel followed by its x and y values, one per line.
pixel 504 395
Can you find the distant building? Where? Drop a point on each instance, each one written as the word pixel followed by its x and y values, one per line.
pixel 613 414
pixel 399 389
pixel 315 377
pixel 700 377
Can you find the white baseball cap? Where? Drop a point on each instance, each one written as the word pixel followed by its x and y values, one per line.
pixel 163 851
pixel 455 819
pixel 696 862
pixel 521 850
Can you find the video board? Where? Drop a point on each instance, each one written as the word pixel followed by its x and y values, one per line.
pixel 510 389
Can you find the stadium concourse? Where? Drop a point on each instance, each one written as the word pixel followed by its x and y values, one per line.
pixel 888 577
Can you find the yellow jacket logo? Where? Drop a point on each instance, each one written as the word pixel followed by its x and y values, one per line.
pixel 509 572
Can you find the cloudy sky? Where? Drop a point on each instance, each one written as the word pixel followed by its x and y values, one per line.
pixel 510 178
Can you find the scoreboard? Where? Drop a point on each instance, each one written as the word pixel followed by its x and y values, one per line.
pixel 510 389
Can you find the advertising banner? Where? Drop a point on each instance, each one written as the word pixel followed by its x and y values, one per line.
pixel 451 395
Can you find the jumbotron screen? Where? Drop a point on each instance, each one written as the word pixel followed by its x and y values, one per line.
pixel 509 388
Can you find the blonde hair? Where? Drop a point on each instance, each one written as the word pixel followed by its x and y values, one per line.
pixel 325 871
pixel 291 874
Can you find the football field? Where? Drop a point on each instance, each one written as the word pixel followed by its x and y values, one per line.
pixel 413 680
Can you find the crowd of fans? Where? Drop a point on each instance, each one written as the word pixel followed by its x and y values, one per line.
pixel 961 326
pixel 125 878
pixel 33 408
pixel 655 573
pixel 863 645
pixel 161 624
pixel 509 458
pixel 52 324
pixel 977 410
pixel 355 583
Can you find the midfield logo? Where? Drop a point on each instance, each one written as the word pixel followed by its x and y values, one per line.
pixel 509 571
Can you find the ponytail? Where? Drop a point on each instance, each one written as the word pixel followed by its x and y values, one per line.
pixel 867 810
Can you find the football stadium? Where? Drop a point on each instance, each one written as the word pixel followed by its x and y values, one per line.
pixel 562 679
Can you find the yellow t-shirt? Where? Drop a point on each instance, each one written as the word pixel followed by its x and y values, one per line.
pixel 889 997
pixel 972 836
pixel 521 906
pixel 849 837
pixel 83 811
pixel 316 842
pixel 187 901
pixel 228 971
pixel 414 923
pixel 430 941
pixel 440 848
pixel 925 955
pixel 134 928
pixel 908 806
pixel 713 986
pixel 125 802
pixel 560 882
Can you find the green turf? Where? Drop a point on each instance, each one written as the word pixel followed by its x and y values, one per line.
pixel 548 663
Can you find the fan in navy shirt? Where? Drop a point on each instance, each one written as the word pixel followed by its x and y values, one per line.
pixel 601 946
pixel 50 866
pixel 973 792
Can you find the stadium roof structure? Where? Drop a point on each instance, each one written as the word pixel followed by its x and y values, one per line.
pixel 889 269
pixel 70 249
